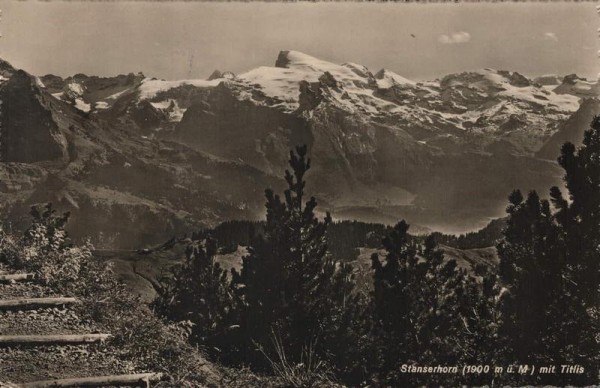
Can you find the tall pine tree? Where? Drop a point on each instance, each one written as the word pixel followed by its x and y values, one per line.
pixel 289 285
pixel 420 310
pixel 531 264
pixel 199 291
pixel 549 268
pixel 579 219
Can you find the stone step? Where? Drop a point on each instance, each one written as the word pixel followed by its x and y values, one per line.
pixel 138 380
pixel 57 339
pixel 16 277
pixel 35 303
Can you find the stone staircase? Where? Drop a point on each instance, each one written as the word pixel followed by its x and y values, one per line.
pixel 44 343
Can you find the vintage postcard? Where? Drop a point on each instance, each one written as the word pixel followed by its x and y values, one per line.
pixel 299 194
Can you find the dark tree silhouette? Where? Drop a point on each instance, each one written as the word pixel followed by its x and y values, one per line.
pixel 289 285
pixel 421 309
pixel 549 267
pixel 198 291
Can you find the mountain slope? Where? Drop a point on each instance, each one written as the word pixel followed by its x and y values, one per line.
pixel 136 158
pixel 467 134
pixel 122 189
pixel 572 130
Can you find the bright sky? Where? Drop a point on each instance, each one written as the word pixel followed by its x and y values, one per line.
pixel 175 40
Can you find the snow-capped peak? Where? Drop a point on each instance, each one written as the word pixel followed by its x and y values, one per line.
pixel 291 58
pixel 298 61
pixel 282 82
pixel 221 75
pixel 360 70
pixel 387 79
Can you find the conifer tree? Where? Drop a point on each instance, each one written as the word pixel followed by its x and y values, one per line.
pixel 549 268
pixel 531 264
pixel 579 220
pixel 480 315
pixel 419 308
pixel 393 331
pixel 289 285
pixel 441 307
pixel 199 292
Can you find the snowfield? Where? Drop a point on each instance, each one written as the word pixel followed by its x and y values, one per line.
pixel 82 105
pixel 75 88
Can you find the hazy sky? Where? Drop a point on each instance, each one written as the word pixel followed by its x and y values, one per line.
pixel 190 40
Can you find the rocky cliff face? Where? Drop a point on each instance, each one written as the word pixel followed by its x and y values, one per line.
pixel 240 130
pixel 90 93
pixel 572 130
pixel 28 133
pixel 577 86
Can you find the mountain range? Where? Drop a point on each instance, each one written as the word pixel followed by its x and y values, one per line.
pixel 136 159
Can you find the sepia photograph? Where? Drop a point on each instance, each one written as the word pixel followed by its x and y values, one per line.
pixel 299 194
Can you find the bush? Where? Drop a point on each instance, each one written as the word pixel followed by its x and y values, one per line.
pixel 198 292
pixel 46 250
